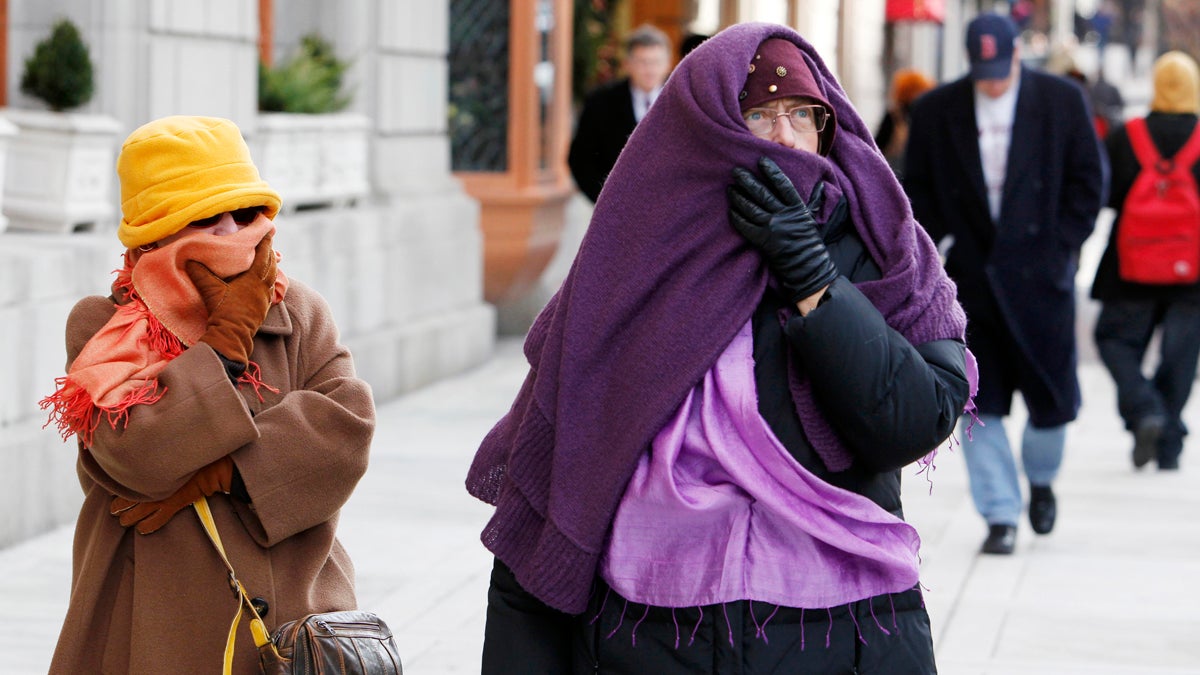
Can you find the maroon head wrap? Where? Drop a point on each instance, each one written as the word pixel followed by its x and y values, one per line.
pixel 778 70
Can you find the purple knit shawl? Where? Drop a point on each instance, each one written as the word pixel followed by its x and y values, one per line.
pixel 659 288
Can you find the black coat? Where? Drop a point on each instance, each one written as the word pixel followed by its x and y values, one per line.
pixel 893 405
pixel 892 408
pixel 1019 272
pixel 1169 132
pixel 605 123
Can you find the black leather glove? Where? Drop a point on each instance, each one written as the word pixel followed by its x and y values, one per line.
pixel 776 221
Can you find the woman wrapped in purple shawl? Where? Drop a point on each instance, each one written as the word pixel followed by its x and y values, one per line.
pixel 700 473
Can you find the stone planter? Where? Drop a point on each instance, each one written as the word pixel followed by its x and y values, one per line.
pixel 313 160
pixel 59 173
pixel 521 227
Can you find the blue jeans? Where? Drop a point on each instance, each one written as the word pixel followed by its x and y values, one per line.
pixel 992 469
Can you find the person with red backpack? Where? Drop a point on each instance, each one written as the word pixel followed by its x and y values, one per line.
pixel 1147 277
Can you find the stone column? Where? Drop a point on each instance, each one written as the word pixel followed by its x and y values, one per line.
pixel 954 47
pixel 860 59
pixel 818 23
pixel 1062 23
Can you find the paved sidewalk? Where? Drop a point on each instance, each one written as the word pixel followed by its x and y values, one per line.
pixel 1115 589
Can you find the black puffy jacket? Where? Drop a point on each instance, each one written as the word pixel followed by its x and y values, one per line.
pixel 891 402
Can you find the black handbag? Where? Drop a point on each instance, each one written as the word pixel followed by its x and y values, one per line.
pixel 350 642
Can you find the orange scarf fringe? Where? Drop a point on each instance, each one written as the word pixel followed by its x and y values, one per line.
pixel 72 409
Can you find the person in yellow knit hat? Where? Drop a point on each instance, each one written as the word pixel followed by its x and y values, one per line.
pixel 206 372
pixel 1132 312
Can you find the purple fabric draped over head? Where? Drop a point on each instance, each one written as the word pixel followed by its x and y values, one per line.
pixel 660 286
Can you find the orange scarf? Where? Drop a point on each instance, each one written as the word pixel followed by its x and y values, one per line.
pixel 159 314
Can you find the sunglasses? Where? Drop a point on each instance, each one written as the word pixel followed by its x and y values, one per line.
pixel 240 216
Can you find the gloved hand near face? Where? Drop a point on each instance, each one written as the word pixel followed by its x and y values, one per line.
pixel 775 220
pixel 238 305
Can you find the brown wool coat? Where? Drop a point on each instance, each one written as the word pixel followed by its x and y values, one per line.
pixel 160 603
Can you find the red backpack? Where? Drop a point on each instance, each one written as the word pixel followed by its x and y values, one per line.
pixel 1158 236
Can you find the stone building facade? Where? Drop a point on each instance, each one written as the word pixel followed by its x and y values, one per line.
pixel 397 250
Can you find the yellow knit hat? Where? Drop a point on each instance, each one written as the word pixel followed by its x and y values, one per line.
pixel 179 169
pixel 1176 84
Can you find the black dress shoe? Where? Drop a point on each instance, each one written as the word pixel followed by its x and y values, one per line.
pixel 1145 439
pixel 1043 508
pixel 1000 540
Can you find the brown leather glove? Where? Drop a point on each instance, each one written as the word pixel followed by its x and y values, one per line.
pixel 150 516
pixel 238 305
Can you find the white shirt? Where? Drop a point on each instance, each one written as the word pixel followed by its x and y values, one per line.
pixel 642 101
pixel 994 121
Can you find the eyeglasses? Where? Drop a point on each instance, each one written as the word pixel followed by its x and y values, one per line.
pixel 240 216
pixel 803 118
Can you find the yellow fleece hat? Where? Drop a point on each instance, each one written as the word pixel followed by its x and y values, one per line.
pixel 1176 84
pixel 177 170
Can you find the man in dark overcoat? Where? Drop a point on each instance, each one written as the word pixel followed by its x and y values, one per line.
pixel 1006 174
pixel 611 112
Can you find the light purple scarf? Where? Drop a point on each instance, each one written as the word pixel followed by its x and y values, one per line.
pixel 718 511
pixel 659 288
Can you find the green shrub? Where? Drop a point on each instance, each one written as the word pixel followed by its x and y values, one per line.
pixel 309 82
pixel 59 72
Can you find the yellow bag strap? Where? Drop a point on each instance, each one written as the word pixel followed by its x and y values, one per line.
pixel 257 628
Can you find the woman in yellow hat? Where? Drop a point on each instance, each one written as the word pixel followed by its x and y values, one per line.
pixel 206 373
